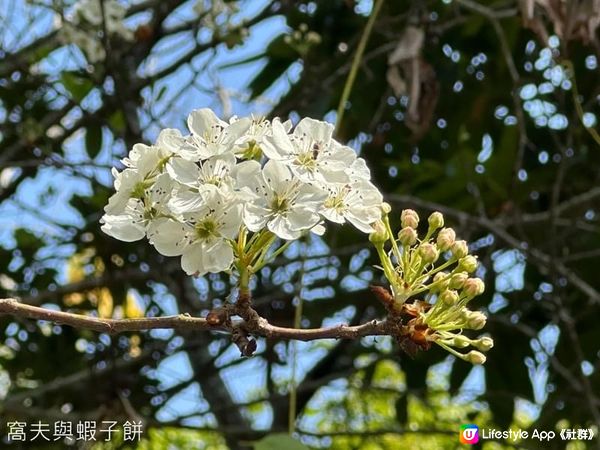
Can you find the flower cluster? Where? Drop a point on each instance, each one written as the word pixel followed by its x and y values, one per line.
pixel 411 266
pixel 85 25
pixel 223 194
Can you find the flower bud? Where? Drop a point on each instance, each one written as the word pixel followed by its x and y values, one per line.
pixel 409 218
pixel 476 320
pixel 386 208
pixel 436 220
pixel 445 239
pixel 449 297
pixel 407 236
pixel 475 357
pixel 443 285
pixel 473 287
pixel 458 279
pixel 460 249
pixel 429 253
pixel 484 344
pixel 468 263
pixel 461 341
pixel 380 234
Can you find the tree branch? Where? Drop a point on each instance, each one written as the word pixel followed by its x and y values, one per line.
pixel 257 326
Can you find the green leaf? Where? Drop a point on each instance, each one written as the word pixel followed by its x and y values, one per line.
pixel 77 85
pixel 116 121
pixel 279 441
pixel 93 140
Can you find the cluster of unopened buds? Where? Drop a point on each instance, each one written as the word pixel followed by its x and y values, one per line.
pixel 431 285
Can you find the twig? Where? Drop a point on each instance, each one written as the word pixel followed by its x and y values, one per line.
pixel 258 326
pixel 356 63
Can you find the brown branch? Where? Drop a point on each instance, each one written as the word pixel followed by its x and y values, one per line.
pixel 181 322
pixel 257 327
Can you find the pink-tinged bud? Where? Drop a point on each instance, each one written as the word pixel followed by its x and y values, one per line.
pixel 484 344
pixel 461 341
pixel 409 218
pixel 473 287
pixel 475 357
pixel 436 220
pixel 380 235
pixel 476 320
pixel 458 279
pixel 408 236
pixel 429 253
pixel 468 263
pixel 445 239
pixel 449 297
pixel 460 249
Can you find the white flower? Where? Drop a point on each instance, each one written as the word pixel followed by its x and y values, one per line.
pixel 359 203
pixel 310 151
pixel 250 144
pixel 202 236
pixel 212 136
pixel 127 218
pixel 214 171
pixel 282 204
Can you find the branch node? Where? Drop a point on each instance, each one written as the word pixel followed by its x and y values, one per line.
pixel 241 338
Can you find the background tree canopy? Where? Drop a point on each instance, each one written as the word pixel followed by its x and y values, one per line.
pixel 485 111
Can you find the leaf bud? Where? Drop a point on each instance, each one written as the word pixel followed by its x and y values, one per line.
pixel 460 249
pixel 407 236
pixel 458 279
pixel 409 218
pixel 429 253
pixel 445 239
pixel 473 287
pixel 436 220
pixel 475 357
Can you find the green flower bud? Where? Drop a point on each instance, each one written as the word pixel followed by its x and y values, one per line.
pixel 408 236
pixel 429 253
pixel 443 284
pixel 484 344
pixel 380 234
pixel 458 279
pixel 468 263
pixel 409 218
pixel 460 249
pixel 476 320
pixel 449 297
pixel 473 287
pixel 445 239
pixel 386 208
pixel 461 341
pixel 436 220
pixel 475 357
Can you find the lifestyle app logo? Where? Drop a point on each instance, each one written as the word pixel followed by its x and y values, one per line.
pixel 469 434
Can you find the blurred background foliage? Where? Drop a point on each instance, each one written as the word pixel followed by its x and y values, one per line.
pixel 486 111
